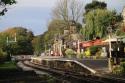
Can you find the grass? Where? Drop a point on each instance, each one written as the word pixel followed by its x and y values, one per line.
pixel 8 65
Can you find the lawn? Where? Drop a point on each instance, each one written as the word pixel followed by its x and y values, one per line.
pixel 8 65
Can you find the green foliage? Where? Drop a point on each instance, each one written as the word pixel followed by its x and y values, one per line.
pixel 4 4
pixel 55 28
pixel 97 22
pixel 10 2
pixel 23 44
pixel 8 65
pixel 121 30
pixel 95 5
pixel 80 56
pixel 123 67
pixel 70 53
pixel 78 27
pixel 94 49
pixel 3 42
pixel 87 52
pixel 3 55
pixel 119 70
pixel 37 46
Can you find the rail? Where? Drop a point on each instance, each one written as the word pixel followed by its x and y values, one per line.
pixel 77 78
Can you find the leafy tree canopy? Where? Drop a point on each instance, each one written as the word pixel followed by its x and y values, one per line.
pixel 23 37
pixel 37 45
pixel 97 22
pixel 4 4
pixel 68 10
pixel 95 5
pixel 55 28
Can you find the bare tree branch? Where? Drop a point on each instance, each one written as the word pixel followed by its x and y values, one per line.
pixel 68 10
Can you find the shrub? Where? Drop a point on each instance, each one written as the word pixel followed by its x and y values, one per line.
pixel 119 70
pixel 70 53
pixel 94 49
pixel 123 67
pixel 3 55
pixel 87 52
pixel 80 56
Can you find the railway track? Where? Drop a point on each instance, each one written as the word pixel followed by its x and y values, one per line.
pixel 72 77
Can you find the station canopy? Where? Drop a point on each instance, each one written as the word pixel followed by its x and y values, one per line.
pixel 92 43
pixel 101 42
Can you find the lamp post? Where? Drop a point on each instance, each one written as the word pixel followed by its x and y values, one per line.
pixel 110 48
pixel 49 46
pixel 78 49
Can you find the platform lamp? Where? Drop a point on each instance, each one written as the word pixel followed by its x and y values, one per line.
pixel 110 48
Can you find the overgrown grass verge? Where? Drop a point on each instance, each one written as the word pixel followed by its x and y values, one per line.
pixel 8 65
pixel 119 70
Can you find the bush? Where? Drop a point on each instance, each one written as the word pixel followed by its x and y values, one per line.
pixel 70 53
pixel 87 52
pixel 94 49
pixel 8 65
pixel 80 56
pixel 119 70
pixel 3 55
pixel 123 67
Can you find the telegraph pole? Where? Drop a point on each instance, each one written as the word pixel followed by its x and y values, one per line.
pixel 78 49
pixel 110 54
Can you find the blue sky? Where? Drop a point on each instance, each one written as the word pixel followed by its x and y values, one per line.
pixel 35 14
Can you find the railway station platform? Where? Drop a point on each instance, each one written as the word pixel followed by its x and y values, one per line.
pixel 99 65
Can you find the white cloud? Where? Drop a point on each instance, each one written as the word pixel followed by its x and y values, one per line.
pixel 36 3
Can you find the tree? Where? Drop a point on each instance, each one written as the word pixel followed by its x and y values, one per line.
pixel 24 41
pixel 4 4
pixel 55 27
pixel 37 45
pixel 97 22
pixel 68 10
pixel 23 44
pixel 95 5
pixel 70 53
pixel 3 53
pixel 121 30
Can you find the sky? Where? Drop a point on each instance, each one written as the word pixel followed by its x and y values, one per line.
pixel 35 14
